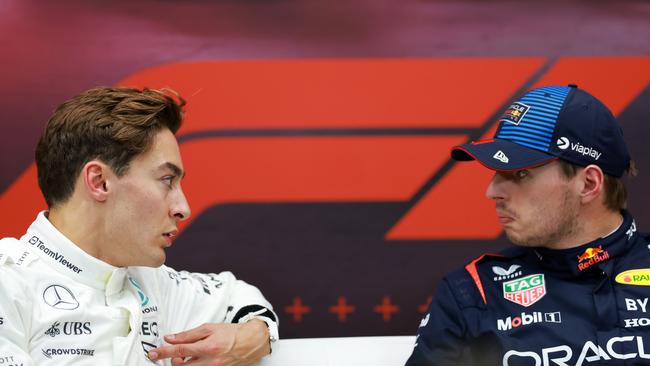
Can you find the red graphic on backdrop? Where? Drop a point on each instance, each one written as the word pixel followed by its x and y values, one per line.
pixel 342 309
pixel 386 309
pixel 297 309
pixel 320 95
pixel 423 308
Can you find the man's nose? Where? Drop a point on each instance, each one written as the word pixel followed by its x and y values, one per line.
pixel 495 190
pixel 180 207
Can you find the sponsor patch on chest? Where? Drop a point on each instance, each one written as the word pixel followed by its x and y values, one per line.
pixel 525 291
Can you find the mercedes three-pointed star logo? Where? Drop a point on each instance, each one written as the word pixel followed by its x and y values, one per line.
pixel 59 297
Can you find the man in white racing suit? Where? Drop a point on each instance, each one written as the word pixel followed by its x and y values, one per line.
pixel 86 285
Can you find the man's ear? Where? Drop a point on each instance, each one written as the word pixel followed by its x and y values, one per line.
pixel 95 176
pixel 593 183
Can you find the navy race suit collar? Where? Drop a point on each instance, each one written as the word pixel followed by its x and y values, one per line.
pixel 593 257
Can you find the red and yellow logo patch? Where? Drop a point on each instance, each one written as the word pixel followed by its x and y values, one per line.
pixel 592 256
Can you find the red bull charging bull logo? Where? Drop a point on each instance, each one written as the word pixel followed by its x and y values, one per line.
pixel 592 256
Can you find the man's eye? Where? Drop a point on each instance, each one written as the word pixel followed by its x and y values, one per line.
pixel 169 180
pixel 521 174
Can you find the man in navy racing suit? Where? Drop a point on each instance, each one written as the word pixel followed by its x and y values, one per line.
pixel 575 289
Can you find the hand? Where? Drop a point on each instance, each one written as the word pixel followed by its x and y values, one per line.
pixel 217 345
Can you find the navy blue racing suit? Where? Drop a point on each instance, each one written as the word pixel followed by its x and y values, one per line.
pixel 538 307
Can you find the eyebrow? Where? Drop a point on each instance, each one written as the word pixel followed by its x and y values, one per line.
pixel 174 168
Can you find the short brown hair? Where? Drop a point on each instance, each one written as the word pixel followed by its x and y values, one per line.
pixel 615 191
pixel 109 124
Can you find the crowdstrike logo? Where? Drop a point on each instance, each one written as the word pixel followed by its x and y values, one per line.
pixel 59 297
pixel 51 352
pixel 564 143
pixel 618 348
pixel 501 156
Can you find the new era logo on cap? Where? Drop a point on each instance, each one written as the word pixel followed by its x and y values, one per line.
pixel 500 156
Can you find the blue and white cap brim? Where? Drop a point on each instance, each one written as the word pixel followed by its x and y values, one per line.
pixel 501 155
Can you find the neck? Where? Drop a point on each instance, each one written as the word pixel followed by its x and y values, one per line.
pixel 82 226
pixel 592 225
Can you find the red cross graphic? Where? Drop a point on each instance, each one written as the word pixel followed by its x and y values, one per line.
pixel 424 307
pixel 342 309
pixel 386 309
pixel 297 309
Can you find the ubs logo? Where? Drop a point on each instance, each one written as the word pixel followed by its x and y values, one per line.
pixel 69 328
pixel 59 297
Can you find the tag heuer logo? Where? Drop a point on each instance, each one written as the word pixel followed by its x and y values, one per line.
pixel 525 291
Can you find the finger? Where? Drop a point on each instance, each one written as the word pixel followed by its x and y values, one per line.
pixel 177 361
pixel 174 351
pixel 213 362
pixel 189 336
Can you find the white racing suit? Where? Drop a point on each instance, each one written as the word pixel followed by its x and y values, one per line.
pixel 61 306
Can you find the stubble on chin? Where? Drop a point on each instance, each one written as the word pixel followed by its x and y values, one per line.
pixel 548 231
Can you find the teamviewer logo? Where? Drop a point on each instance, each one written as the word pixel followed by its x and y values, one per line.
pixel 563 143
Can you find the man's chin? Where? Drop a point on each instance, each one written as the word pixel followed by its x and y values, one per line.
pixel 522 241
pixel 515 238
pixel 153 262
pixel 160 261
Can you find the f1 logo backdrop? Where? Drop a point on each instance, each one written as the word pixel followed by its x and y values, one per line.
pixel 328 183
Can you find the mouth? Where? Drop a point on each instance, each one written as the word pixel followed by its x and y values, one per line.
pixel 504 218
pixel 170 236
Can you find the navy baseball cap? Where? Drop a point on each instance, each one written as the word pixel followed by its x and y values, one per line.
pixel 552 122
